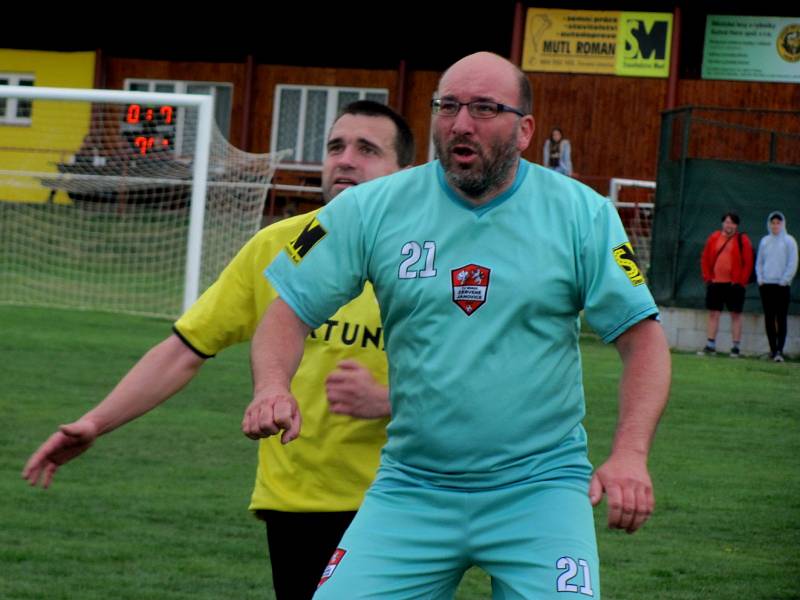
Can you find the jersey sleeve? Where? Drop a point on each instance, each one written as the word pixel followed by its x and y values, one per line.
pixel 227 313
pixel 615 295
pixel 324 266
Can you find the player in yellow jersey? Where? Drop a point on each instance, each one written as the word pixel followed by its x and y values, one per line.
pixel 307 492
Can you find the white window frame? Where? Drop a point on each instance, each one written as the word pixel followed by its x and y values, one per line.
pixel 181 87
pixel 331 112
pixel 12 104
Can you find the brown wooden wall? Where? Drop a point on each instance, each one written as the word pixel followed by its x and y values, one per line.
pixel 739 94
pixel 612 122
pixel 417 110
pixel 747 135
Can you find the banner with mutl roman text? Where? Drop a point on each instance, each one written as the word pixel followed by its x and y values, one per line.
pixel 633 44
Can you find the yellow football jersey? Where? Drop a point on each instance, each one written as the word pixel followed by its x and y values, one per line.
pixel 331 464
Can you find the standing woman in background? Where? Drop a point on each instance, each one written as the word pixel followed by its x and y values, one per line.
pixel 557 152
pixel 776 265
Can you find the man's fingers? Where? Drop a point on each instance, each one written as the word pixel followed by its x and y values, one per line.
pixel 614 501
pixel 293 430
pixel 645 504
pixel 628 510
pixel 282 415
pixel 349 365
pixel 38 459
pixel 289 420
pixel 31 472
pixel 595 490
pixel 263 419
pixel 31 469
pixel 258 422
pixel 49 473
pixel 629 506
pixel 337 394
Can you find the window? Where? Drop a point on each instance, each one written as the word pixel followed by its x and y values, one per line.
pixel 185 123
pixel 303 116
pixel 16 111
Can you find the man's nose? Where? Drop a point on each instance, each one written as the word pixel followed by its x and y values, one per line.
pixel 463 122
pixel 346 159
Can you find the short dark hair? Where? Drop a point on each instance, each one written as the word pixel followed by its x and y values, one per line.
pixel 403 139
pixel 734 216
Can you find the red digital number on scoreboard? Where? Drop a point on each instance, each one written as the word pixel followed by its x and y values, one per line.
pixel 149 128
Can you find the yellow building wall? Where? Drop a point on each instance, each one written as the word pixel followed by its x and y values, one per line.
pixel 57 128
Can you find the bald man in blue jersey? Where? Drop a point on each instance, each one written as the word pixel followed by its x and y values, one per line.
pixel 481 263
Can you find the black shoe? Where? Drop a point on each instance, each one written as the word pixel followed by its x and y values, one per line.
pixel 735 352
pixel 707 351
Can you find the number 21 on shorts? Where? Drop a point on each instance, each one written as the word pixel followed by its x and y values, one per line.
pixel 568 579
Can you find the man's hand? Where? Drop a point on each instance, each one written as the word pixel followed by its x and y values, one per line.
pixel 65 444
pixel 626 483
pixel 270 412
pixel 353 391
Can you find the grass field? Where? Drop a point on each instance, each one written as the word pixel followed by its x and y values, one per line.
pixel 157 510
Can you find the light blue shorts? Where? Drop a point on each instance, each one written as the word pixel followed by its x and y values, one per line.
pixel 410 541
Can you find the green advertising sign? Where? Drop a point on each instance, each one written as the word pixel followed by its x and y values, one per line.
pixel 752 48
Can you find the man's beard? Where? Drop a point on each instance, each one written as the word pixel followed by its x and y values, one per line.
pixel 478 183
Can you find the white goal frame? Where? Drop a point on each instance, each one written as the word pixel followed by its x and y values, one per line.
pixel 205 120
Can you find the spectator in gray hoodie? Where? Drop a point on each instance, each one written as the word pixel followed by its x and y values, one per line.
pixel 776 265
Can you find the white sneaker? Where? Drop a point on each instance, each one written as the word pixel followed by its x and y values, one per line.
pixel 778 357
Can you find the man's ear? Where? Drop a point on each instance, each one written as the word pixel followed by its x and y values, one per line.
pixel 527 126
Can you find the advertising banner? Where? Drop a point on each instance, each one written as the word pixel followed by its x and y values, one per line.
pixel 633 44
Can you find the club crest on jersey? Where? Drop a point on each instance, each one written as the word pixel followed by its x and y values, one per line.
pixel 470 285
pixel 312 233
pixel 337 557
pixel 623 255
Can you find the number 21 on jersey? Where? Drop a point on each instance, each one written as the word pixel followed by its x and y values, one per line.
pixel 409 267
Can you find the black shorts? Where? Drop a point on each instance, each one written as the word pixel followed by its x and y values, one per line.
pixel 300 547
pixel 730 295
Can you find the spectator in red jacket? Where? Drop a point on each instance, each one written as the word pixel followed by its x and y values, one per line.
pixel 727 263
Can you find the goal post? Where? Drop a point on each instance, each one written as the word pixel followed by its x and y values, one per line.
pixel 633 199
pixel 122 201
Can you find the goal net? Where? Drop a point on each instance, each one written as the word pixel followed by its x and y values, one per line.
pixel 121 201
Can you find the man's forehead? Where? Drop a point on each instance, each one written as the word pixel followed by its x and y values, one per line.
pixel 479 78
pixel 378 130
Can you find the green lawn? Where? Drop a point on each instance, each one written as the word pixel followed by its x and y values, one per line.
pixel 158 509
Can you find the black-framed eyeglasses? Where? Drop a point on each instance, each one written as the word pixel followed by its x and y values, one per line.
pixel 478 109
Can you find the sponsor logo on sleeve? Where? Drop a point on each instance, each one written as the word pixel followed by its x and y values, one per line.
pixel 623 255
pixel 312 233
pixel 337 557
pixel 470 285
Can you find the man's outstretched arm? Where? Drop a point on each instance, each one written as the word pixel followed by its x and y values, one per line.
pixel 643 393
pixel 276 351
pixel 158 375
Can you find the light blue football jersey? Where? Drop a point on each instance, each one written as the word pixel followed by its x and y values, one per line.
pixel 480 307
